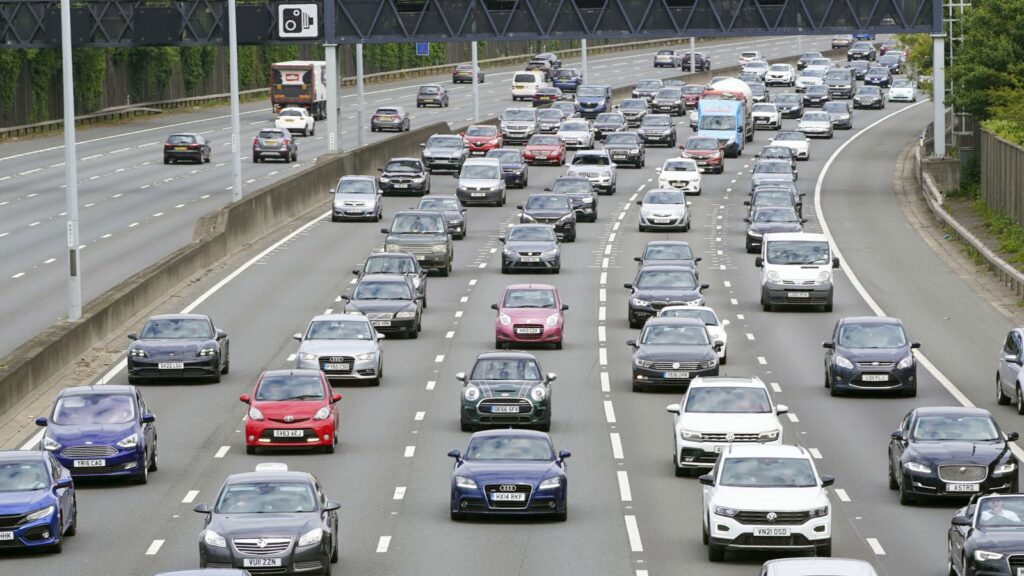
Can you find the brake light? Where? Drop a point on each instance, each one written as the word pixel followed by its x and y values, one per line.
pixel 255 141
pixel 193 146
pixel 168 145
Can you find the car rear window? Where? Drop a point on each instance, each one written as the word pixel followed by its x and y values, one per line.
pixel 181 139
pixel 525 78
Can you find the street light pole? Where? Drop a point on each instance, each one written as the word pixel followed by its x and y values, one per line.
pixel 361 128
pixel 70 168
pixel 236 124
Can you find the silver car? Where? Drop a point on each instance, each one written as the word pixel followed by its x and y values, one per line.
pixel 1011 356
pixel 816 124
pixel 576 134
pixel 802 566
pixel 664 208
pixel 596 166
pixel 343 347
pixel 357 198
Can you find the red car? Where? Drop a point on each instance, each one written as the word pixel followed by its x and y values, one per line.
pixel 529 314
pixel 692 93
pixel 482 138
pixel 707 152
pixel 544 149
pixel 291 408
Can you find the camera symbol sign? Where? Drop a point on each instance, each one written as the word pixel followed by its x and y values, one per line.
pixel 298 21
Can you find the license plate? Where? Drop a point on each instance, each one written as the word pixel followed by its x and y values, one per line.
pixel 336 367
pixel 271 142
pixel 380 322
pixel 1020 571
pixel 421 257
pixel 504 409
pixel 531 258
pixel 527 330
pixel 874 377
pixel 508 497
pixel 288 433
pixel 662 220
pixel 171 366
pixel 771 531
pixel 6 536
pixel 519 87
pixel 477 194
pixel 760 120
pixel 678 375
pixel 89 463
pixel 180 148
pixel 354 211
pixel 539 155
pixel 963 487
pixel 401 185
pixel 798 294
pixel 261 562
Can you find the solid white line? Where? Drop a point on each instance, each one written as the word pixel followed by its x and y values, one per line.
pixel 154 547
pixel 602 356
pixel 410 451
pixel 190 497
pixel 815 453
pixel 383 543
pixel 875 546
pixel 419 416
pixel 625 494
pixel 291 357
pixel 399 493
pixel 18 275
pixel 609 412
pixel 842 494
pixel 605 385
pixel 431 384
pixel 635 545
pixel 222 451
pixel 616 445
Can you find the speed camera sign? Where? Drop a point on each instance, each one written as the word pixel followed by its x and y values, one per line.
pixel 298 21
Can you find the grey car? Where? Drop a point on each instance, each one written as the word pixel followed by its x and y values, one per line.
pixel 1011 357
pixel 274 143
pixel 596 166
pixel 345 347
pixel 432 95
pixel 841 114
pixel 672 352
pixel 444 152
pixel 608 122
pixel 668 253
pixel 634 110
pixel 664 209
pixel 626 148
pixel 398 263
pixel 424 234
pixel 868 97
pixel 777 153
pixel 658 129
pixel 646 89
pixel 391 118
pixel 453 211
pixel 530 247
pixel 357 198
pixel 390 302
pixel 812 565
pixel 771 172
pixel 549 120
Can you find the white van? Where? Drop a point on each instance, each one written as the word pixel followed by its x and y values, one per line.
pixel 525 84
pixel 796 270
pixel 481 181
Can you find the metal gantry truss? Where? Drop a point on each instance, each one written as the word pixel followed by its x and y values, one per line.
pixel 115 23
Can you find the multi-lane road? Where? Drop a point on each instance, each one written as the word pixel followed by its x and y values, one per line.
pixel 135 210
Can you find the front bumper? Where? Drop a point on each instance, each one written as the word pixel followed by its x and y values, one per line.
pixel 793 295
pixel 591 111
pixel 619 157
pixel 295 560
pixel 868 103
pixel 520 262
pixel 480 148
pixel 527 333
pixel 650 138
pixel 896 379
pixel 733 535
pixel 42 532
pixel 767 123
pixel 514 178
pixel 646 377
pixel 664 223
pixel 430 102
pixel 513 136
pixel 816 132
pixel 409 187
pixel 314 433
pixel 353 212
pixel 930 485
pixel 123 463
pixel 840 91
pixel 669 108
pixel 539 502
pixel 196 367
pixel 442 163
pixel 478 196
pixel 531 413
pixel 358 369
pixel 537 158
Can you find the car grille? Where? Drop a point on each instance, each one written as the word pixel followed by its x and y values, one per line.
pixel 292 421
pixel 783 518
pixel 679 183
pixel 524 405
pixel 88 451
pixel 8 521
pixel 660 305
pixel 519 489
pixel 791 540
pixel 324 360
pixel 551 221
pixel 589 174
pixel 311 565
pixel 380 315
pixel 255 571
pixel 1016 561
pixel 875 365
pixel 722 437
pixel 415 248
pixel 685 366
pixel 400 180
pixel 269 547
pixel 958 473
pixel 796 283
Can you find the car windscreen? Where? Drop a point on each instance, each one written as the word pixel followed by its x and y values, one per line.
pixel 878 71
pixel 591 160
pixel 382 291
pixel 544 141
pixel 668 252
pixel 609 118
pixel 531 234
pixel 838 75
pixel 775 215
pixel 565 74
pixel 625 138
pixel 667 94
pixel 728 400
pixel 773 168
pixel 764 108
pixel 77 409
pixel 386 112
pixel 872 335
pixel 679 166
pixel 550 114
pixel 767 473
pixel 400 265
pixel 868 91
pixel 660 121
pixel 787 98
pixel 571 186
pixel 955 428
pixel 504 156
pixel 509 447
pixel 769 152
pixel 902 84
pixel 266 498
pixel 403 166
pixel 290 387
pixel 547 202
pixel 772 199
pixel 717 122
pixel 505 369
pixel 1000 513
pixel 529 298
pixel 816 117
pixel 702 144
pixel 480 172
pixel 633 105
pixel 835 107
pixel 444 142
pixel 181 139
pixel 525 78
pixel 798 252
pixel 666 280
pixel 23 476
pixel 664 197
pixel 359 186
pixel 417 224
pixel 339 330
pixel 780 68
pixel 817 90
pixel 789 137
pixel 812 73
pixel 648 84
pixel 271 135
pixel 704 315
pixel 574 127
pixel 176 329
pixel 591 92
pixel 294 112
pixel 482 131
pixel 687 335
pixel 693 89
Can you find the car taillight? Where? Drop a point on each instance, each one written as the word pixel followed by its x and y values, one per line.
pixel 255 141
pixel 168 146
pixel 193 146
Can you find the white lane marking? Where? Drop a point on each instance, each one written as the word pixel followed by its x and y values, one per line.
pixel 222 451
pixel 727 284
pixel 190 497
pixel 158 214
pixel 616 445
pixel 419 416
pixel 27 172
pixel 843 496
pixel 734 301
pixel 5 234
pixel 625 494
pixel 604 276
pixel 792 417
pixel 49 260
pixel 815 453
pixel 604 263
pixel 410 451
pixel 34 224
pixel 154 547
pixel 739 317
pixel 439 358
pixel 602 356
pixel 482 265
pixel 18 275
pixel 383 543
pixel 472 282
pixel 399 493
pixel 458 313
pixel 602 294
pixel 34 440
pixel 605 384
pixel 450 334
pixel 601 313
pixel 635 545
pixel 291 357
pixel 105 236
pixel 464 299
pixel 761 360
pixel 721 267
pixel 133 224
pixel 431 384
pixel 750 336
pixel 775 387
pixel 609 412
pixel 180 206
pixel 643 572
pixel 611 237
pixel 601 334
pixel 876 547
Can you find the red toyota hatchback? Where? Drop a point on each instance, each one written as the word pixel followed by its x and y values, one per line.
pixel 482 138
pixel 545 149
pixel 291 408
pixel 529 314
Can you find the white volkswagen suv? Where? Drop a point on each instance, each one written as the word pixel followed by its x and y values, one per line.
pixel 718 412
pixel 770 498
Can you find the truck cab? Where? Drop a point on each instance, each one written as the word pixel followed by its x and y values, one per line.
pixel 724 120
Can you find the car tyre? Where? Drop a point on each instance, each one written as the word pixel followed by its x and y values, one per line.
pixel 893 484
pixel 905 498
pixel 1020 400
pixel 58 546
pixel 725 358
pixel 255 159
pixel 250 450
pixel 456 516
pixel 143 477
pixel 1001 398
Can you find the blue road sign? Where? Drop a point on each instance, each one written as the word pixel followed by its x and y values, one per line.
pixel 423 48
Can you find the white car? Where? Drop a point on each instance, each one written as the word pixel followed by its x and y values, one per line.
pixel 715 326
pixel 795 141
pixel 767 498
pixel 809 77
pixel 680 173
pixel 759 67
pixel 576 134
pixel 816 123
pixel 766 116
pixel 780 75
pixel 903 90
pixel 663 209
pixel 749 56
pixel 295 119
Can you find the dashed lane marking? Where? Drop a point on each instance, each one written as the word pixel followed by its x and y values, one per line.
pixel 154 547
pixel 431 384
pixel 602 356
pixel 761 360
pixel 419 416
pixel 625 494
pixel 609 412
pixel 223 450
pixel 410 451
pixel 605 384
pixel 815 453
pixel 291 357
pixel 792 417
pixel 876 547
pixel 439 358
pixel 399 493
pixel 775 387
pixel 616 445
pixel 383 543
pixel 190 497
pixel 843 496
pixel 635 544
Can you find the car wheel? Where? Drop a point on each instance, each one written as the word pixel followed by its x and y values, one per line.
pixel 312 130
pixel 634 322
pixel 334 551
pixel 1001 397
pixel 288 159
pixel 73 527
pixel 329 449
pixel 250 449
pixel 725 358
pixel 466 426
pixel 456 516
pixel 716 553
pixel 143 477
pixel 905 498
pixel 446 270
pixel 58 546
pixel 167 160
pixel 1020 400
pixel 154 462
pixel 380 375
pixel 893 484
pixel 704 533
pixel 255 159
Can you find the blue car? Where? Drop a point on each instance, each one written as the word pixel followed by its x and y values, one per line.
pixel 37 501
pixel 102 431
pixel 864 36
pixel 509 473
pixel 567 79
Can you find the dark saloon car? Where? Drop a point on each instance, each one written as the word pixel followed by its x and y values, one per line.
pixel 271 521
pixel 553 60
pixel 453 211
pixel 790 104
pixel 581 195
pixel 567 79
pixel 669 101
pixel 37 501
pixel 879 76
pixel 672 352
pixel 509 473
pixel 657 129
pixel 398 263
pixel 701 61
pixel 841 114
pixel 986 537
pixel 859 67
pixel 530 247
pixel 769 219
pixel 658 286
pixel 513 166
pixel 432 95
pixel 626 148
pixel 775 196
pixel 102 431
pixel 549 120
pixel 463 73
pixel 868 97
pixel 816 95
pixel 546 95
pixel 861 51
pixel 779 153
pixel 389 301
pixel 771 172
pixel 608 123
pixel 424 234
pixel 893 62
pixel 189 146
pixel 951 452
pixel 551 209
pixel 274 143
pixel 506 389
pixel 870 353
pixel 178 347
pixel 759 92
pixel 391 118
pixel 404 176
pixel 634 110
pixel 647 88
pixel 444 152
pixel 667 253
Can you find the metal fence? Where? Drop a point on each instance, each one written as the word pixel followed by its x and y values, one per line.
pixel 1002 175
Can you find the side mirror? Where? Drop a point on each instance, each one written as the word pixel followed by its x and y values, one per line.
pixel 631 342
pixel 346 297
pixel 747 220
pixel 828 345
pixel 519 206
pixel 673 408
pixel 460 376
pixel 64 483
pixel 331 506
pixel 1010 358
pixel 221 334
pixel 639 202
pixel 455 454
pixel 547 188
pixel 565 307
pixel 835 262
pixel 961 521
pixel 383 230
pixel 148 418
pixel 1012 437
pixel 297 336
pixel 707 480
pixel 335 398
pixel 203 508
pixel 245 398
pixel 355 271
pixel 628 285
pixel 915 345
pixel 563 454
pixel 896 435
pixel 705 287
pixel 759 262
pixel 501 239
pixel 380 336
pixel 637 259
pixel 757 155
pixel 550 377
pixel 697 259
pixel 781 409
pixel 133 336
pixel 380 169
pixel 494 306
pixel 746 202
pixel 718 345
pixel 41 421
pixel 803 220
pixel 827 480
pixel 682 147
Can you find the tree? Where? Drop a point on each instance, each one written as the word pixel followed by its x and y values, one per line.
pixel 991 61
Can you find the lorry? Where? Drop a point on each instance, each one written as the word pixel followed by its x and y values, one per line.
pixel 299 83
pixel 726 121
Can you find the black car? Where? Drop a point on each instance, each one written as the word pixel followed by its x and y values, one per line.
pixel 670 101
pixel 950 452
pixel 549 120
pixel 777 153
pixel 868 97
pixel 546 95
pixel 646 89
pixel 389 301
pixel 658 286
pixel 805 58
pixel 274 143
pixel 672 352
pixel 986 537
pixel 581 195
pixel 634 110
pixel 790 104
pixel 861 51
pixel 398 263
pixel 841 114
pixel 270 521
pixel 444 152
pixel 207 572
pixel 758 92
pixel 658 129
pixel 701 61
pixel 513 166
pixel 859 67
pixel 626 148
pixel 816 95
pixel 432 95
pixel 453 211
pixel 893 62
pixel 607 123
pixel 668 253
pixel 774 196
pixel 870 353
pixel 530 247
pixel 880 76
pixel 770 219
pixel 568 109
pixel 178 347
pixel 186 146
pixel 553 210
pixel 404 176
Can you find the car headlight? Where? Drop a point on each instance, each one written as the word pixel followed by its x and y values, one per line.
pixel 137 353
pixel 207 352
pixel 634 151
pixel 50 444
pixel 366 356
pixel 505 319
pixel 427 153
pixel 917 467
pixel 307 356
pixel 525 218
pixel 385 179
pixel 549 483
pixel 566 218
pixel 417 178
pixel 754 233
pixel 985 556
pixel 691 435
pixel 773 276
pixel 549 253
pixel 129 442
pixel 723 511
pixel 698 301
pixel 818 512
pixel 842 362
pixel 770 436
pixel 39 514
pixel 1005 468
pixel 255 414
pixel 538 393
pixel 463 482
pixel 906 362
pixel 471 393
pixel 312 537
pixel 406 314
pixel 643 363
pixel 552 320
pixel 439 248
pixel 588 200
pixel 709 363
pixel 639 302
pixel 211 538
pixel 322 413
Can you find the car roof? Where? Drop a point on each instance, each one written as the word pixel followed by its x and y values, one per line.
pixel 403 159
pixel 666 243
pixel 531 286
pixel 383 278
pixel 667 268
pixel 673 321
pixel 330 317
pixel 290 372
pixel 510 432
pixel 269 476
pixel 21 456
pixel 98 389
pixel 870 320
pixel 414 211
pixel 951 410
pixel 483 161
pixel 179 317
pixel 506 355
pixel 402 255
pixel 766 451
pixel 815 566
pixel 356 177
pixel 733 381
pixel 516 225
pixel 184 134
pixel 808 236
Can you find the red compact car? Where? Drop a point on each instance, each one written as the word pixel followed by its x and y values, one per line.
pixel 545 149
pixel 481 138
pixel 291 408
pixel 707 152
pixel 529 314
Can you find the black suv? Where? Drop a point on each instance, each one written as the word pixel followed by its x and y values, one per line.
pixel 581 195
pixel 404 176
pixel 658 129
pixel 626 148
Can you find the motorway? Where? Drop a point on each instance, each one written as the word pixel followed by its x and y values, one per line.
pixel 628 513
pixel 135 210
